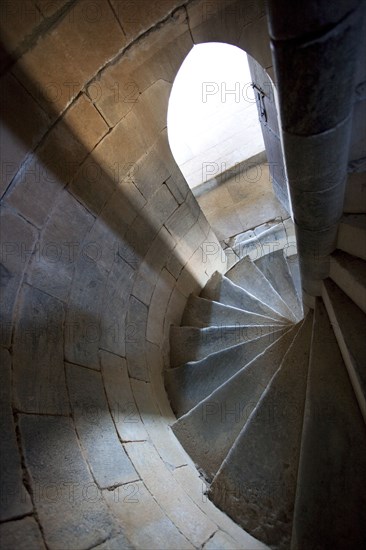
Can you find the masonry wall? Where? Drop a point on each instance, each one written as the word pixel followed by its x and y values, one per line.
pixel 102 243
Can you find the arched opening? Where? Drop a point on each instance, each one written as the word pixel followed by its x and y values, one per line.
pixel 217 130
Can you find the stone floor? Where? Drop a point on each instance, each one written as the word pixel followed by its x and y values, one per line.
pixel 241 203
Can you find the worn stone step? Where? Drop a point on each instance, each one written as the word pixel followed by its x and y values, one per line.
pixel 355 199
pixel 349 324
pixel 250 278
pixel 330 509
pixel 352 235
pixel 256 483
pixel 274 267
pixel 294 268
pixel 349 273
pixel 189 384
pixel 265 239
pixel 200 312
pixel 193 344
pixel 220 289
pixel 209 430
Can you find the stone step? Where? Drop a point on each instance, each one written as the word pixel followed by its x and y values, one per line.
pixel 189 384
pixel 250 278
pixel 349 273
pixel 349 323
pixel 294 268
pixel 200 312
pixel 192 343
pixel 330 509
pixel 209 430
pixel 352 235
pixel 275 269
pixel 256 483
pixel 265 239
pixel 355 196
pixel 220 289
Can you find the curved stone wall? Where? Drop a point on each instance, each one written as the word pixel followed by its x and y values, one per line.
pixel 102 243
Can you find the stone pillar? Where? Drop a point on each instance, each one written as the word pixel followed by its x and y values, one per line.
pixel 315 50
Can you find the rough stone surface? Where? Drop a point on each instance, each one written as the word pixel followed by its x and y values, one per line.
pixel 355 196
pixel 333 451
pixel 96 430
pixel 120 398
pixel 274 267
pixel 189 384
pixel 70 506
pixel 38 363
pixel 344 316
pixel 15 500
pixel 17 241
pixel 135 338
pixel 261 468
pixel 352 235
pixel 349 273
pixel 23 534
pixel 193 344
pixel 205 313
pixel 144 521
pixel 208 431
pixel 246 275
pixel 19 135
pixel 220 289
pixel 181 510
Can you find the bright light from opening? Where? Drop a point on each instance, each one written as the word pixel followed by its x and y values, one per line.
pixel 212 115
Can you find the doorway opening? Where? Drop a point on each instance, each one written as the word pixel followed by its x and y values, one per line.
pixel 217 140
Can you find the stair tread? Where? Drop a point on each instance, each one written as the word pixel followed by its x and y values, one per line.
pixel 274 267
pixel 221 289
pixel 202 431
pixel 352 235
pixel 278 235
pixel 333 452
pixel 193 343
pixel 250 278
pixel 201 312
pixel 294 268
pixel 345 315
pixel 191 383
pixel 262 465
pixel 349 273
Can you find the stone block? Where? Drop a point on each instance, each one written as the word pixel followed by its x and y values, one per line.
pixel 142 289
pixel 318 209
pixel 19 135
pixel 54 163
pixel 315 163
pixel 48 8
pixel 38 369
pixel 135 339
pixel 96 431
pixel 18 22
pixel 23 534
pixel 358 139
pixel 83 327
pixel 306 18
pixel 70 507
pixel 15 500
pixel 320 74
pixel 57 76
pixel 179 508
pixel 17 242
pixel 143 520
pixel 355 197
pixel 120 398
pixel 61 243
pixel 158 306
pixel 136 17
pixel 166 444
pixel 158 55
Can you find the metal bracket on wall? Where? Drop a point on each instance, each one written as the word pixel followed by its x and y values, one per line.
pixel 260 95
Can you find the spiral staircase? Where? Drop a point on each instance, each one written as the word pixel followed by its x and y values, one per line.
pixel 270 400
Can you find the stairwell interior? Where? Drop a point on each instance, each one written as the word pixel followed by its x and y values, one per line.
pixel 157 391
